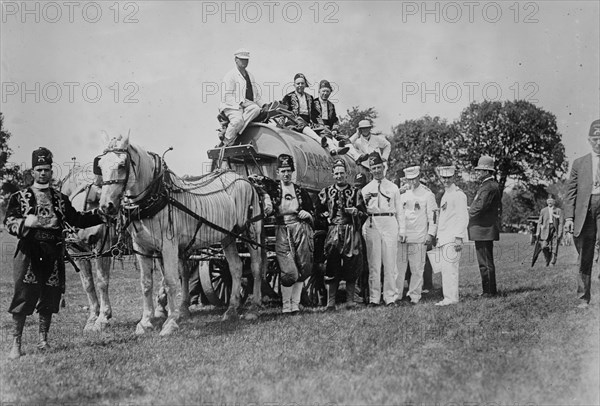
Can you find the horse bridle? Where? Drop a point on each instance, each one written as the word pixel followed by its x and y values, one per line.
pixel 128 161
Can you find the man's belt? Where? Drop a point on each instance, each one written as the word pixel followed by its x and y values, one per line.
pixel 287 219
pixel 45 235
pixel 381 214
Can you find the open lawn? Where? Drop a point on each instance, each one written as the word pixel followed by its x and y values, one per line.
pixel 528 346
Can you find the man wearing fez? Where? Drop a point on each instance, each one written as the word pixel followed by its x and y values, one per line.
pixel 484 223
pixel 294 246
pixel 37 216
pixel 417 231
pixel 343 208
pixel 549 230
pixel 240 97
pixel 382 199
pixel 582 211
pixel 451 233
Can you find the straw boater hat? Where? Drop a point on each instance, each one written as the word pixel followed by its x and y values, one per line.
pixel 485 163
pixel 242 53
pixel 365 124
pixel 412 172
pixel 446 171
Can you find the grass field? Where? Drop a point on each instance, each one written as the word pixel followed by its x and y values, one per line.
pixel 528 346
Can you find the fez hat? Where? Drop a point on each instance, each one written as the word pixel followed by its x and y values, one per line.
pixel 339 162
pixel 595 129
pixel 360 180
pixel 412 172
pixel 285 161
pixel 301 75
pixel 364 124
pixel 375 158
pixel 324 83
pixel 446 171
pixel 486 163
pixel 41 156
pixel 242 53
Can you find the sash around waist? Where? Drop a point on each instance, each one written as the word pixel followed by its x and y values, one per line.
pixel 382 214
pixel 46 235
pixel 287 219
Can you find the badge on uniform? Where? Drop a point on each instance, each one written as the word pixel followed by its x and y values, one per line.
pixel 417 206
pixel 444 205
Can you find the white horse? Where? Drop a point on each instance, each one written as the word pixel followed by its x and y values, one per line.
pixel 169 216
pixel 79 186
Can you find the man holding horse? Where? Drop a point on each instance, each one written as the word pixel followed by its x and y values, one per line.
pixel 294 245
pixel 343 207
pixel 37 216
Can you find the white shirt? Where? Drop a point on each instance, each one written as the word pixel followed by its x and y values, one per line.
pixel 595 188
pixel 417 214
pixel 233 91
pixel 374 143
pixel 289 201
pixel 454 216
pixel 324 112
pixel 302 104
pixel 382 197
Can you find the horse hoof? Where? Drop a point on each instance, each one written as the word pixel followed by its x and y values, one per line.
pixel 100 325
pixel 89 324
pixel 169 328
pixel 184 313
pixel 160 314
pixel 230 316
pixel 143 328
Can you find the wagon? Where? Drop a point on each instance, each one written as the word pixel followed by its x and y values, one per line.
pixel 256 152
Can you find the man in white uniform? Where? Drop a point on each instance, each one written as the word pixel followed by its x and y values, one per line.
pixel 451 233
pixel 417 230
pixel 239 97
pixel 382 199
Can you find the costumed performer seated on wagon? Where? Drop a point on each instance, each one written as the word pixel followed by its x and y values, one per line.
pixel 37 216
pixel 302 105
pixel 240 98
pixel 324 115
pixel 294 215
pixel 365 143
pixel 342 205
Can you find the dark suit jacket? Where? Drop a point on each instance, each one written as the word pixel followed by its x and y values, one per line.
pixel 545 221
pixel 484 213
pixel 332 122
pixel 579 190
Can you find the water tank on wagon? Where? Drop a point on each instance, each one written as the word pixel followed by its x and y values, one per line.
pixel 256 152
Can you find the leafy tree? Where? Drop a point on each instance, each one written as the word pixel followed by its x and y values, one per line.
pixel 522 138
pixel 11 176
pixel 521 202
pixel 349 123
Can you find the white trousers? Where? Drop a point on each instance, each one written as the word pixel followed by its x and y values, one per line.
pixel 413 254
pixel 381 236
pixel 290 297
pixel 240 118
pixel 449 261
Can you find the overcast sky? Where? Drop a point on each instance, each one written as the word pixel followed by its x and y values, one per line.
pixel 72 69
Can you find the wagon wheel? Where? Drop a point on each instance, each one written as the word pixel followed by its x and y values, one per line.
pixel 271 285
pixel 215 280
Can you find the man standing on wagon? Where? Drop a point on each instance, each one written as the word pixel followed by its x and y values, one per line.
pixel 37 217
pixel 343 207
pixel 239 97
pixel 294 246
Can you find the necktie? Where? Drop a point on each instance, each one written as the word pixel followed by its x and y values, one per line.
pixel 378 193
pixel 597 176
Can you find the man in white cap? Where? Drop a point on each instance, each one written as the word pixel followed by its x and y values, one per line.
pixel 582 211
pixel 239 97
pixel 365 143
pixel 382 199
pixel 451 233
pixel 484 223
pixel 549 230
pixel 417 230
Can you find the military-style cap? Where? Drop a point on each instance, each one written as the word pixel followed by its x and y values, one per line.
pixel 595 129
pixel 324 83
pixel 364 124
pixel 375 158
pixel 486 163
pixel 360 180
pixel 412 172
pixel 242 53
pixel 446 171
pixel 41 156
pixel 285 161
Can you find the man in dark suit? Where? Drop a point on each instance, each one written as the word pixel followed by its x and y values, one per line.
pixel 550 230
pixel 484 219
pixel 582 210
